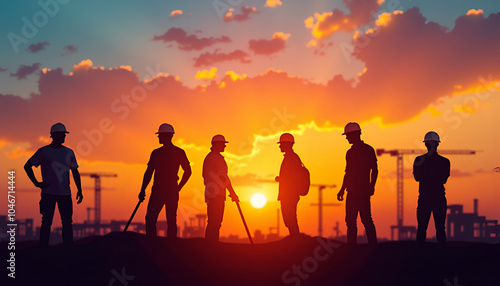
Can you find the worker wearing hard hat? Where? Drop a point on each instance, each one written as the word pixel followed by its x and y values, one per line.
pixel 287 195
pixel 56 160
pixel 216 180
pixel 431 170
pixel 164 163
pixel 359 180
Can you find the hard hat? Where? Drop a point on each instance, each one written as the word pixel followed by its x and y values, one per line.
pixel 165 128
pixel 219 138
pixel 431 136
pixel 58 127
pixel 350 127
pixel 286 137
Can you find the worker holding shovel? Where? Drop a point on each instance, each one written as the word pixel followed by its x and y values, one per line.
pixel 216 182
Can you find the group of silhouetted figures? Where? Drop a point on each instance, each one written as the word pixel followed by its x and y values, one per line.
pixel 430 170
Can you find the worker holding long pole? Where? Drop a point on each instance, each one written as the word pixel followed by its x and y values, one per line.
pixel 216 180
pixel 164 163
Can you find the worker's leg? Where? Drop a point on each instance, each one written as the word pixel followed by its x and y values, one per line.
pixel 171 212
pixel 423 216
pixel 65 207
pixel 289 213
pixel 366 218
pixel 155 204
pixel 47 207
pixel 215 213
pixel 351 216
pixel 439 213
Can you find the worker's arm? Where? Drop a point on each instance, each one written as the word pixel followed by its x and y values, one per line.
pixel 373 180
pixel 28 168
pixel 232 193
pixel 446 172
pixel 185 176
pixel 78 183
pixel 145 182
pixel 417 169
pixel 340 194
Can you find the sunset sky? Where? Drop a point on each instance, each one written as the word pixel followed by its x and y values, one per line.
pixel 113 71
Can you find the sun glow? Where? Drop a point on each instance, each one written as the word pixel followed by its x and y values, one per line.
pixel 258 200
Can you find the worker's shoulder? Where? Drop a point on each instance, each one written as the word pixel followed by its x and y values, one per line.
pixel 442 158
pixel 48 148
pixel 169 149
pixel 367 146
pixel 178 149
pixel 292 156
pixel 362 147
pixel 214 156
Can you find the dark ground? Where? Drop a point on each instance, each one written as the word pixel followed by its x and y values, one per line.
pixel 134 259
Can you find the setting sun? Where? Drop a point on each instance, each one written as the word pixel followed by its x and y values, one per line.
pixel 258 200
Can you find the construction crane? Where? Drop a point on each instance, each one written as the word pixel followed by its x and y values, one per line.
pixel 320 203
pixel 97 196
pixel 405 232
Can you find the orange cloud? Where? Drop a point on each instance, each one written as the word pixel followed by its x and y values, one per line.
pixel 83 65
pixel 245 14
pixel 471 107
pixel 385 18
pixel 411 64
pixel 323 25
pixel 178 14
pixel 175 13
pixel 475 12
pixel 273 3
pixel 234 76
pixel 206 75
pixel 18 152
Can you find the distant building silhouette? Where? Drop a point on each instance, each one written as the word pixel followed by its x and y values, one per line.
pixel 470 226
pixel 24 227
pixel 193 230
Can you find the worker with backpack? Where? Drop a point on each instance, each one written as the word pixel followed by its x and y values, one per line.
pixel 293 182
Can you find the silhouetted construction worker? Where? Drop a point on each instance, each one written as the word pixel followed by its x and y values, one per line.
pixel 164 163
pixel 288 194
pixel 55 160
pixel 360 177
pixel 431 170
pixel 216 180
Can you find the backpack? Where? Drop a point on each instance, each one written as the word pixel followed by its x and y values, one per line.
pixel 303 181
